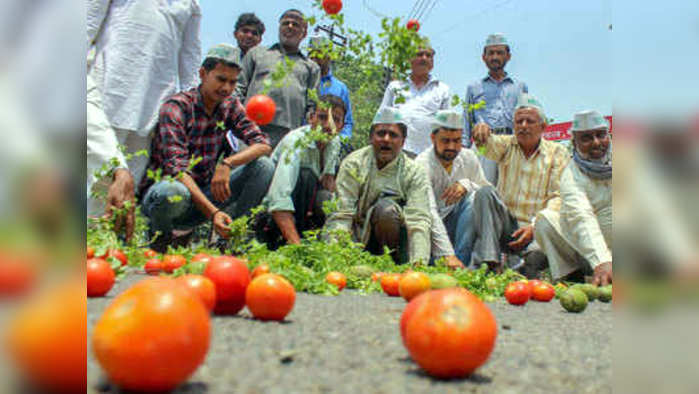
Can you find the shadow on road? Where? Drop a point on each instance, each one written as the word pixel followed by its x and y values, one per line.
pixel 475 378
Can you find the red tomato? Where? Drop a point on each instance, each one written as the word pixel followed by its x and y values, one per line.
pixel 532 284
pixel 270 297
pixel 412 284
pixel 231 277
pixel 377 276
pixel 413 24
pixel 517 293
pixel 117 254
pixel 449 332
pixel 201 257
pixel 390 284
pixel 150 253
pixel 260 270
pixel 17 274
pixel 100 277
pixel 332 7
pixel 172 262
pixel 153 267
pixel 203 287
pixel 543 292
pixel 90 252
pixel 152 337
pixel 336 278
pixel 260 109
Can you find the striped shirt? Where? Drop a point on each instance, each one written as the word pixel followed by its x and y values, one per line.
pixel 528 185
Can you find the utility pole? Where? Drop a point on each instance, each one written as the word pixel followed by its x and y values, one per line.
pixel 330 31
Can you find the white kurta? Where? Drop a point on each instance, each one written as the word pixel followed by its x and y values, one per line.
pixel 146 50
pixel 467 171
pixel 419 106
pixel 583 227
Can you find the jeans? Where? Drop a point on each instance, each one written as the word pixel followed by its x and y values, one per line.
pixel 169 204
pixel 459 227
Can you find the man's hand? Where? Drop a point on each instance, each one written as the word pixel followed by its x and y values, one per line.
pixel 221 220
pixel 328 182
pixel 220 186
pixel 453 262
pixel 603 274
pixel 481 133
pixel 523 236
pixel 120 191
pixel 453 193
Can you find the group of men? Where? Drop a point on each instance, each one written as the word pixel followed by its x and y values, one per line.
pixel 417 189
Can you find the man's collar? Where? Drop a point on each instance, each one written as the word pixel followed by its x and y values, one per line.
pixel 543 148
pixel 278 46
pixel 430 80
pixel 507 77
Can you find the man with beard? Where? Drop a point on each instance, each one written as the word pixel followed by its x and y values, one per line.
pixel 248 32
pixel 577 240
pixel 383 195
pixel 188 146
pixel 455 174
pixel 530 169
pixel 305 174
pixel 291 98
pixel 418 99
pixel 499 91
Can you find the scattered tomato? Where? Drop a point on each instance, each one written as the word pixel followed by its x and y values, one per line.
pixel 377 276
pixel 46 339
pixel 260 269
pixel 543 292
pixel 18 274
pixel 336 278
pixel 517 293
pixel 231 277
pixel 532 284
pixel 332 7
pixel 153 266
pixel 201 257
pixel 117 254
pixel 413 24
pixel 150 253
pixel 90 252
pixel 260 109
pixel 203 287
pixel 100 277
pixel 161 325
pixel 171 262
pixel 390 284
pixel 449 332
pixel 412 284
pixel 270 297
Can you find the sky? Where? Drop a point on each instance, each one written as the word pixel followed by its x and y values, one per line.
pixel 563 50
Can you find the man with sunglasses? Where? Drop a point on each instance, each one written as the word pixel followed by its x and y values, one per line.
pixel 383 195
pixel 305 174
pixel 577 240
pixel 291 98
pixel 248 32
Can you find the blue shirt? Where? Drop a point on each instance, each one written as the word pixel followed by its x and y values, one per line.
pixel 331 85
pixel 500 99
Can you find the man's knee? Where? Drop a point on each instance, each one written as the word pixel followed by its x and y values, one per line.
pixel 386 221
pixel 171 196
pixel 543 229
pixel 263 167
pixel 484 194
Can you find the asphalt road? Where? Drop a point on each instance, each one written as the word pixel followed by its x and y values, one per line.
pixel 351 344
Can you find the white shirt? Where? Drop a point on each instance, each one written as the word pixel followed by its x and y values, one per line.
pixel 143 49
pixel 466 170
pixel 420 104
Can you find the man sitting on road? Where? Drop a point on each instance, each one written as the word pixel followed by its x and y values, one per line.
pixel 305 174
pixel 530 169
pixel 192 126
pixel 579 238
pixel 455 174
pixel 384 196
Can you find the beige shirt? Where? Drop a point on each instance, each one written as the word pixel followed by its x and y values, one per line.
pixel 527 185
pixel 360 183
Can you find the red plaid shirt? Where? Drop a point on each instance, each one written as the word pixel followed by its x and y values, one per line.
pixel 185 130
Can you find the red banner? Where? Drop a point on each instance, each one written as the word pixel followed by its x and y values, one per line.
pixel 559 131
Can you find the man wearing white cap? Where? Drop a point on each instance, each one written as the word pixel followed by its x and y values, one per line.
pixel 499 91
pixel 210 180
pixel 530 171
pixel 577 239
pixel 418 98
pixel 455 174
pixel 383 195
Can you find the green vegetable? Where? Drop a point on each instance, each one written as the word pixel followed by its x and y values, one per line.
pixel 574 300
